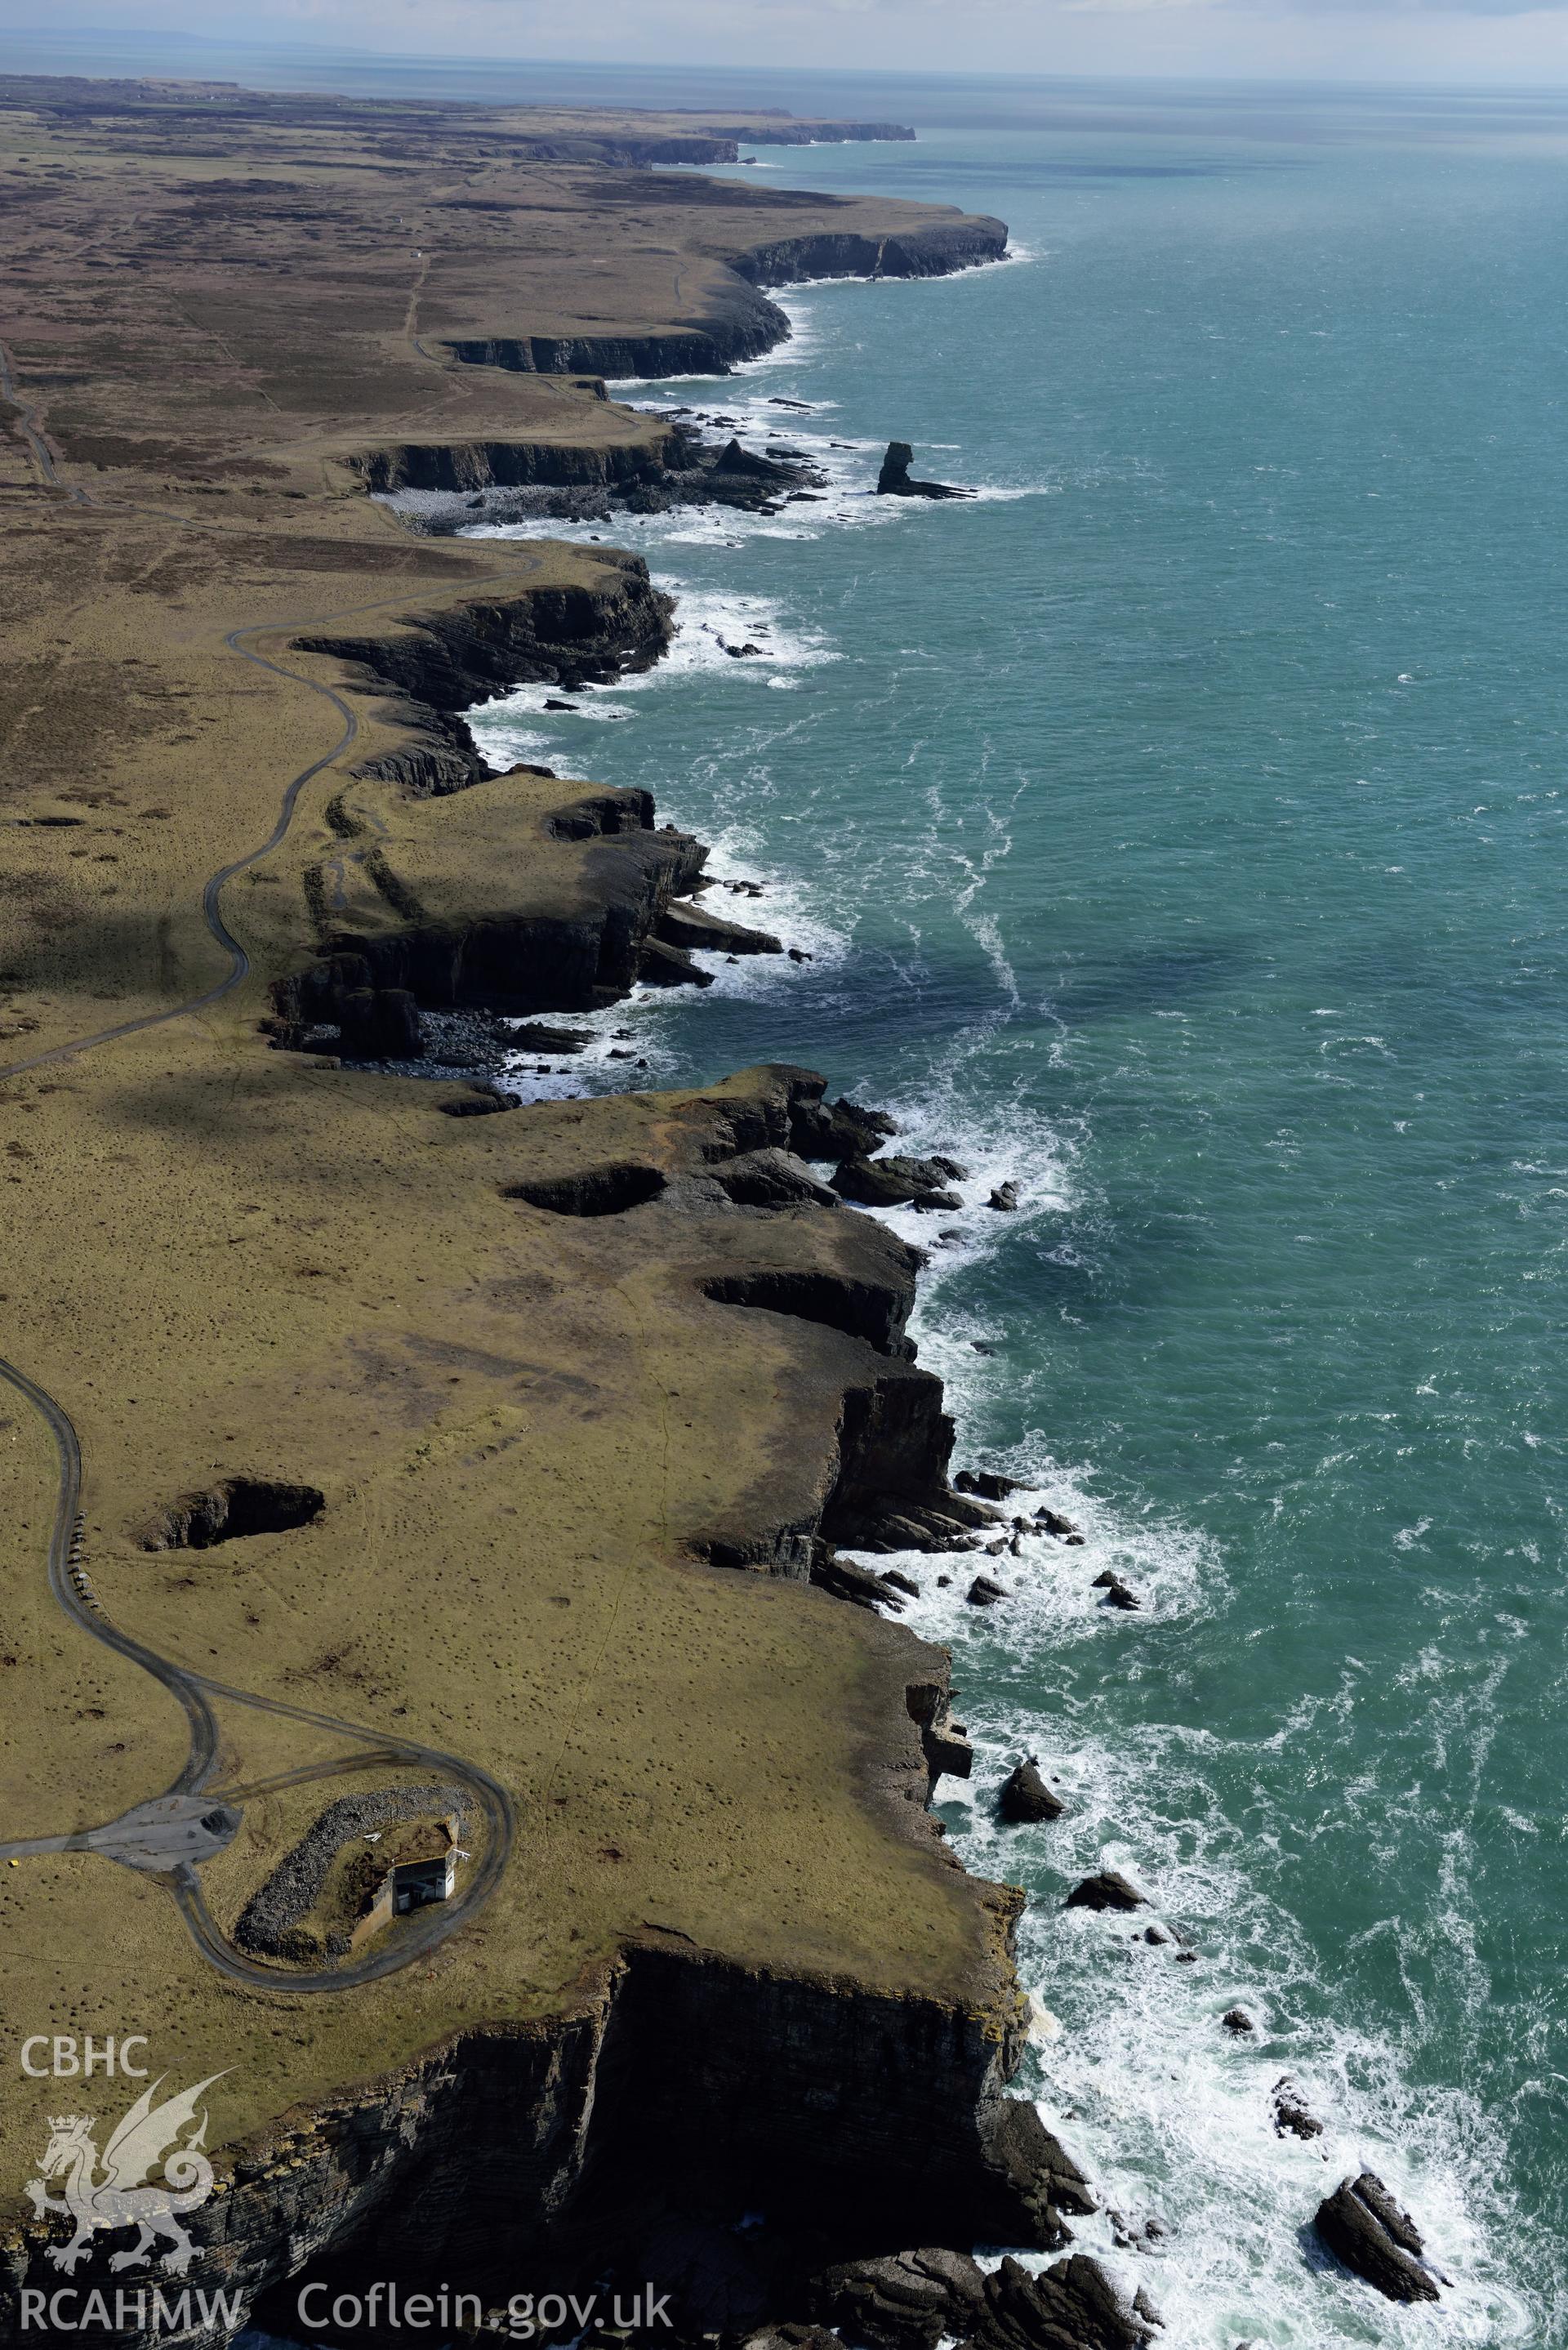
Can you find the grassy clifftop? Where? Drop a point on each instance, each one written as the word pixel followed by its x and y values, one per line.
pixel 531 1428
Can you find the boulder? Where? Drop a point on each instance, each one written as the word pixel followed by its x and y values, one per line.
pixel 903 2301
pixel 690 926
pixel 1361 2224
pixel 894 480
pixel 380 1024
pixel 1115 1591
pixel 773 1178
pixel 893 1182
pixel 1052 1521
pixel 539 1036
pixel 837 1130
pixel 1291 2115
pixel 1237 2022
pixel 1004 1199
pixel 983 1593
pixel 1033 2167
pixel 1108 1890
pixel 774 2337
pixel 483 1102
pixel 1071 2305
pixel 1025 1798
pixel 988 1483
pixel 844 1580
pixel 736 463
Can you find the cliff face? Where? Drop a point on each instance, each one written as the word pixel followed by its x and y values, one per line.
pixel 933 249
pixel 740 328
pixel 511 464
pixel 576 935
pixel 440 664
pixel 781 132
pixel 466 652
pixel 742 324
pixel 676 2093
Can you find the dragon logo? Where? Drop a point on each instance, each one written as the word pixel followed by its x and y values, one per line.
pixel 124 2197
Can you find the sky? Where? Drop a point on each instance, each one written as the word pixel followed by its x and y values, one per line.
pixel 1404 41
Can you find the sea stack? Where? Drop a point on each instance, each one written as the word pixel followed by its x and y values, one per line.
pixel 894 482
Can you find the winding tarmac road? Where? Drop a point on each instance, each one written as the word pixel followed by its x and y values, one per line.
pixel 192 1799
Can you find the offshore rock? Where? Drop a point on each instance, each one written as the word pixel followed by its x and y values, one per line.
pixel 1108 1890
pixel 1052 1521
pixel 1361 2224
pixel 1290 2114
pixel 1025 1798
pixel 894 480
pixel 1116 1592
pixel 895 1182
pixel 693 926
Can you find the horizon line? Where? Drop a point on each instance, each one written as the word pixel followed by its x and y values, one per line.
pixel 939 78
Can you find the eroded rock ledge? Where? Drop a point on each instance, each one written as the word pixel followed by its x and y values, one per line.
pixel 441 487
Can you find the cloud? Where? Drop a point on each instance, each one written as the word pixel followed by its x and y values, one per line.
pixel 1407 8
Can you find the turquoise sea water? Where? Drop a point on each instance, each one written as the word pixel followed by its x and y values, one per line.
pixel 1180 829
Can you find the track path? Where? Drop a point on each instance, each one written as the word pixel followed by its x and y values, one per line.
pixel 195 1692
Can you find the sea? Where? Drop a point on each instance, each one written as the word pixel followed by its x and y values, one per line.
pixel 1176 829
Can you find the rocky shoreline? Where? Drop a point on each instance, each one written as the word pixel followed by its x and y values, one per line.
pixel 654 2088
pixel 443 491
pixel 991 2173
pixel 895 1496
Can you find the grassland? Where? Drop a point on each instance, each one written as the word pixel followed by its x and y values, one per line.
pixel 223 1258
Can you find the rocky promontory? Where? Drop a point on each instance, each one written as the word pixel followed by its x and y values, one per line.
pixel 738 322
